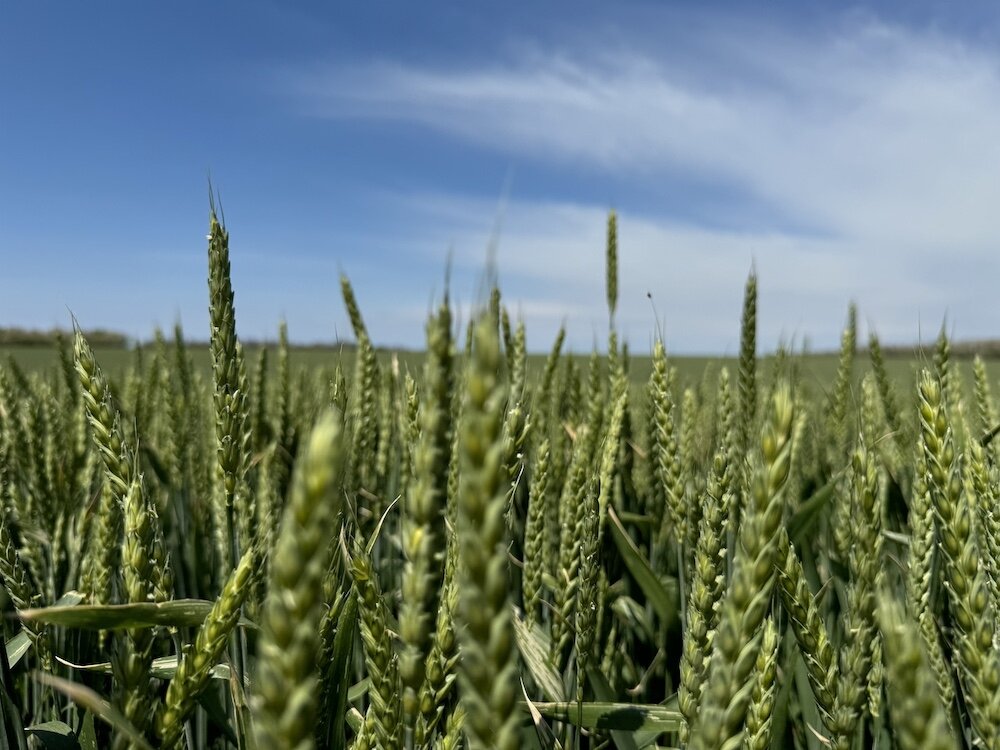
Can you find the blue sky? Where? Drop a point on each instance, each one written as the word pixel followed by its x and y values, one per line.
pixel 849 152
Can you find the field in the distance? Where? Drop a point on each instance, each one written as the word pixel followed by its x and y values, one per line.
pixel 818 370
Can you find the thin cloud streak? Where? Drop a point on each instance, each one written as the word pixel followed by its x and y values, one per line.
pixel 555 252
pixel 878 139
pixel 874 131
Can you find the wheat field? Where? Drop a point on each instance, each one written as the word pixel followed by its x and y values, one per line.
pixel 471 548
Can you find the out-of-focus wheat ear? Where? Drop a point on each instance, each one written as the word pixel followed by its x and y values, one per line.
pixel 362 416
pixel 591 412
pixel 494 305
pixel 424 532
pixel 469 335
pixel 571 505
pixel 194 670
pixel 259 428
pixel 726 447
pixel 875 431
pixel 585 621
pixel 283 428
pixel 386 456
pixel 615 360
pixel 687 460
pixel 506 333
pixel 268 512
pixel 535 534
pixel 983 491
pixel 608 469
pixel 437 695
pixel 518 394
pixel 747 601
pixel 362 410
pixel 919 719
pixel 986 408
pixel 560 455
pixel 757 734
pixel 706 588
pixel 552 361
pixel 837 446
pixel 864 563
pixel 68 368
pixel 814 643
pixel 611 658
pixel 286 685
pixel 487 676
pixel 949 379
pixel 919 580
pixel 611 267
pixel 841 412
pixel 180 393
pixel 353 310
pixel 747 390
pixel 592 594
pixel 968 592
pixel 451 509
pixel 942 358
pixel 665 452
pixel 799 475
pixel 875 479
pixel 409 431
pixel 546 398
pixel 887 394
pixel 382 664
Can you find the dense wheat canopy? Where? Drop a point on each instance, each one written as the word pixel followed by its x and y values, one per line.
pixel 465 549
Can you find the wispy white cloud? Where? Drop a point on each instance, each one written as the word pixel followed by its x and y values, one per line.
pixel 853 131
pixel 550 257
pixel 882 140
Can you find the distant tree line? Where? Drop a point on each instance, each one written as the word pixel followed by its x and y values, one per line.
pixel 98 337
pixel 104 339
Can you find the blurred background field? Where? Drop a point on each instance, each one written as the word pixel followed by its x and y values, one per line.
pixel 818 370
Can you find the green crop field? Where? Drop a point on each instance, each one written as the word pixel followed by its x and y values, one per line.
pixel 473 547
pixel 819 370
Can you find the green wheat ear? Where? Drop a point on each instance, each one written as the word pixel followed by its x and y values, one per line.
pixel 382 722
pixel 612 264
pixel 535 536
pixel 727 692
pixel 286 683
pixel 707 587
pixel 232 407
pixel 919 719
pixel 747 392
pixel 194 669
pixel 667 474
pixel 965 573
pixel 487 676
pixel 762 698
pixel 424 533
